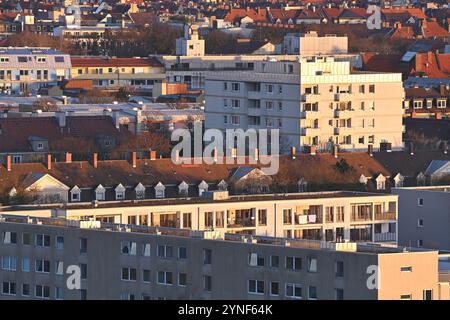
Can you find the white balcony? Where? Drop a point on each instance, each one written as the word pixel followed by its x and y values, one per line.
pixel 385 237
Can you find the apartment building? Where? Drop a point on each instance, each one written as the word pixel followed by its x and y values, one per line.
pixel 138 73
pixel 315 102
pixel 142 263
pixel 327 216
pixel 424 216
pixel 25 70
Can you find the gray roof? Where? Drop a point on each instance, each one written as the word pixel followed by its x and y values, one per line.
pixel 435 165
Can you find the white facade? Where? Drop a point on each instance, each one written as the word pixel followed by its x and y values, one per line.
pixel 311 44
pixel 190 44
pixel 313 101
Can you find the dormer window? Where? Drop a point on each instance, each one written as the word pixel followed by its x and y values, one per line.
pixel 160 190
pixel 202 187
pixel 183 189
pixel 100 193
pixel 223 186
pixel 381 182
pixel 120 192
pixel 75 194
pixel 140 191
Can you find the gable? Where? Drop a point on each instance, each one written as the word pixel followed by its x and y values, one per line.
pixel 47 182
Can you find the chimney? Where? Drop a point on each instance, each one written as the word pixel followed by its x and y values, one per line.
pixel 134 159
pixel 413 114
pixel 8 162
pixel 152 155
pixel 438 116
pixel 293 153
pixel 68 157
pixel 312 150
pixel 48 162
pixel 216 154
pixel 370 149
pixel 61 116
pixel 95 159
pixel 335 150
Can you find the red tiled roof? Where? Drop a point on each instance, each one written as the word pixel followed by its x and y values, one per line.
pixel 115 62
pixel 16 131
pixel 403 32
pixel 142 18
pixel 259 15
pixel 414 12
pixel 432 29
pixel 386 63
pixel 434 65
pixel 78 84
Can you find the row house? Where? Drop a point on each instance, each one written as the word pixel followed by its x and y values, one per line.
pixel 427 102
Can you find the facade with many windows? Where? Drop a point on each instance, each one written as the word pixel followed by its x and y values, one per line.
pixel 317 101
pixel 25 70
pixel 40 257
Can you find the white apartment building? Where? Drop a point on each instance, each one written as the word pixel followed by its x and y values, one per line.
pixel 24 69
pixel 314 101
pixel 311 44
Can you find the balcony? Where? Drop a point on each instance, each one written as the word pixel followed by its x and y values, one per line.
pixel 386 216
pixel 310 131
pixel 256 95
pixel 346 113
pixel 253 111
pixel 361 217
pixel 385 237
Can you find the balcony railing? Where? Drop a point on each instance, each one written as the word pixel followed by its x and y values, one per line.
pixel 367 217
pixel 386 236
pixel 385 216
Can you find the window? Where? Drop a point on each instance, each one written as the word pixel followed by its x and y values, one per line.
pixel 59 268
pixel 406 269
pixel 25 290
pixel 269 88
pixel 293 290
pixel 280 89
pixel 59 59
pixel 60 243
pixel 339 269
pixel 420 223
pixel 339 294
pixel 427 294
pixel 83 245
pixel 225 119
pixel 420 202
pixel 59 293
pixel 405 297
pixel 312 292
pixel 165 277
pixel 236 120
pixel 41 59
pixel 42 292
pixel 26 265
pixel 146 250
pixel 225 86
pixel 40 146
pixel 293 263
pixel 42 266
pixel 275 261
pixel 256 286
pixel 312 265
pixel 225 103
pixel 182 253
pixel 418 104
pixel 22 59
pixel 146 275
pixel 129 274
pixel 182 279
pixel 274 288
pixel 207 283
pixel 235 86
pixel 165 251
pixel 441 103
pixel 26 239
pixel 262 217
pixel 9 237
pixel 9 288
pixel 83 294
pixel 420 243
pixel 280 106
pixel 9 263
pixel 235 103
pixel 362 88
pixel 42 240
pixel 128 248
pixel 255 260
pixel 371 88
pixel 207 256
pixel 269 105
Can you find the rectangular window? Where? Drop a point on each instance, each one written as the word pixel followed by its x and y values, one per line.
pixel 339 269
pixel 42 292
pixel 42 266
pixel 9 288
pixel 83 245
pixel 427 294
pixel 146 250
pixel 26 265
pixel 25 290
pixel 293 290
pixel 165 277
pixel 312 265
pixel 420 202
pixel 207 283
pixel 339 294
pixel 42 240
pixel 372 88
pixel 59 293
pixel 207 256
pixel 128 274
pixel 9 237
pixel 312 292
pixel 256 286
pixel 128 248
pixel 235 86
pixel 60 243
pixel 182 253
pixel 255 260
pixel 406 269
pixel 274 288
pixel 84 271
pixel 146 275
pixel 9 263
pixel 293 263
pixel 182 279
pixel 275 261
pixel 59 268
pixel 165 251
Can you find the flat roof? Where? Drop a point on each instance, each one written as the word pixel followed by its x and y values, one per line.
pixel 348 247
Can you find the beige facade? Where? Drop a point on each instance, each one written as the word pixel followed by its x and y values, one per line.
pixel 316 101
pixel 326 216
